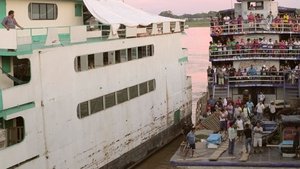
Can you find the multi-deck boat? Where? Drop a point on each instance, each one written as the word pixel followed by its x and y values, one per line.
pixel 261 35
pixel 78 95
pixel 254 54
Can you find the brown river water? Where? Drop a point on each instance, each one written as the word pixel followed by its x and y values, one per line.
pixel 196 41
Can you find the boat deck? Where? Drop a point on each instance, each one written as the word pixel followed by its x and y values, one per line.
pixel 205 158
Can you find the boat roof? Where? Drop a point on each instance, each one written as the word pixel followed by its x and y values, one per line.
pixel 116 12
pixel 290 120
pixel 281 9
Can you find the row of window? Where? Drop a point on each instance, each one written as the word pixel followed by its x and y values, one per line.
pixel 104 102
pixel 48 11
pixel 92 61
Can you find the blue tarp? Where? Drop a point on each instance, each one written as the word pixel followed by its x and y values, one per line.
pixel 214 139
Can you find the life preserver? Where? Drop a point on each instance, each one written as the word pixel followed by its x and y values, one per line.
pixel 295 27
pixel 218 30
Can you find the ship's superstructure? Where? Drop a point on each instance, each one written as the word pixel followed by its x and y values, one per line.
pixel 255 48
pixel 88 96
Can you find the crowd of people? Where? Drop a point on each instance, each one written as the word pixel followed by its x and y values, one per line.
pixel 240 121
pixel 221 74
pixel 259 21
pixel 260 46
pixel 235 120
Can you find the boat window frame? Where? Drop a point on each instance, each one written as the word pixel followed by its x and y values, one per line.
pixel 53 14
pixel 131 93
pixel 255 6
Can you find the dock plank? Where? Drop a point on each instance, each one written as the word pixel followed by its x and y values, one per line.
pixel 215 155
pixel 244 157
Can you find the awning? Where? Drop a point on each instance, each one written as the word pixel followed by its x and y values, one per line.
pixel 116 12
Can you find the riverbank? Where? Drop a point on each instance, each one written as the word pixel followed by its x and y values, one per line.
pixel 202 23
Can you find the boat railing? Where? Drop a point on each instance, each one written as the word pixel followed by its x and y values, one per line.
pixel 241 54
pixel 26 40
pixel 273 78
pixel 257 79
pixel 256 27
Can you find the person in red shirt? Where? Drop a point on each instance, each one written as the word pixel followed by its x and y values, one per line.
pixel 251 20
pixel 255 45
pixel 282 47
pixel 238 102
pixel 237 47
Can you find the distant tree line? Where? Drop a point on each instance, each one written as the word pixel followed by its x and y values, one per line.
pixel 189 16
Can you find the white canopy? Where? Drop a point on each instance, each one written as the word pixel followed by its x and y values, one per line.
pixel 116 12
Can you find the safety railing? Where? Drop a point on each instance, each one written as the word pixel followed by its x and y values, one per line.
pixel 243 54
pixel 261 27
pixel 26 40
pixel 273 78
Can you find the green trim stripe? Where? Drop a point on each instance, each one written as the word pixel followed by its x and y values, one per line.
pixel 6 112
pixel 2 10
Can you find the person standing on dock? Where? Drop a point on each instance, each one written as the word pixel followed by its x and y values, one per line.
pixel 191 139
pixel 296 142
pixel 248 137
pixel 259 110
pixel 272 111
pixel 250 106
pixel 223 121
pixel 232 133
pixel 257 138
pixel 240 128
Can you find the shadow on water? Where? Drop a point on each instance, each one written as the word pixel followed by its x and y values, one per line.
pixel 161 159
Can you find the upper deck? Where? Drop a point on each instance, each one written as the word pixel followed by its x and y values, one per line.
pixel 63 23
pixel 256 17
pixel 27 40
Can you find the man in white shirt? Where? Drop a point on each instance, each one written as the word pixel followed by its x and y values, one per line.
pixel 257 138
pixel 270 45
pixel 240 128
pixel 261 97
pixel 259 110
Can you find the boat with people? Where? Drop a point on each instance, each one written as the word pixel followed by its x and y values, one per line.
pixel 253 78
pixel 88 84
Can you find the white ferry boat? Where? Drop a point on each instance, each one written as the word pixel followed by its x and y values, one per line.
pixel 255 48
pixel 78 94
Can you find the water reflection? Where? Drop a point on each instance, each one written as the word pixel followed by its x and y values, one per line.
pixel 197 42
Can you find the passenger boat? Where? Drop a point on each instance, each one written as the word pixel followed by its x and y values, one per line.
pixel 89 84
pixel 255 48
pixel 271 46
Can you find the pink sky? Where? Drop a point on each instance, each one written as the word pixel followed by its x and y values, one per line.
pixel 193 6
